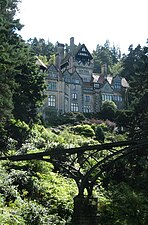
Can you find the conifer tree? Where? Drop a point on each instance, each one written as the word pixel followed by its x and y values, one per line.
pixel 21 83
pixel 139 96
pixel 135 70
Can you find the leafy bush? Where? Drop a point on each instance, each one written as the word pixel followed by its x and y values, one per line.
pixel 108 110
pixel 99 133
pixel 19 131
pixel 123 118
pixel 85 130
pixel 72 118
pixel 52 118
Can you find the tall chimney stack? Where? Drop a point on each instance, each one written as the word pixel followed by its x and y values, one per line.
pixel 59 53
pixel 72 45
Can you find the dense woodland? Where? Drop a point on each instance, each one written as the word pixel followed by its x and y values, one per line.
pixel 34 192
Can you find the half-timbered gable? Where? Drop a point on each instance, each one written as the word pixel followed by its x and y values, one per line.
pixel 82 55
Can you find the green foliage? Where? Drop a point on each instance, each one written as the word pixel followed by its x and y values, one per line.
pixel 52 118
pixel 108 110
pixel 35 196
pixel 125 206
pixel 72 118
pixel 41 47
pixel 19 131
pixel 21 83
pixel 105 55
pixel 100 136
pixel 8 57
pixel 136 62
pixel 122 119
pixel 117 68
pixel 85 130
pixel 30 192
pixel 41 138
pixel 29 94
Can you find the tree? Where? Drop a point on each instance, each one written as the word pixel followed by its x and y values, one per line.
pixel 41 47
pixel 8 56
pixel 29 91
pixel 117 68
pixel 108 110
pixel 21 84
pixel 131 61
pixel 105 55
pixel 100 136
pixel 138 92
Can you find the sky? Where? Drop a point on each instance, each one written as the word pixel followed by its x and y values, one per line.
pixel 92 22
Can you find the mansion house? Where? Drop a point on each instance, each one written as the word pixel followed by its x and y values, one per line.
pixel 73 87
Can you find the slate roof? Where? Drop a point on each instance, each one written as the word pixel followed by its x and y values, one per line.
pixel 124 83
pixel 65 59
pixel 99 78
pixel 40 62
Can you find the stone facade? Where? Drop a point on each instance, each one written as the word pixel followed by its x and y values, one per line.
pixel 73 87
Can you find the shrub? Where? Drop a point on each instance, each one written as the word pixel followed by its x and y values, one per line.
pixel 19 131
pixel 108 110
pixel 85 130
pixel 100 136
pixel 51 117
pixel 123 118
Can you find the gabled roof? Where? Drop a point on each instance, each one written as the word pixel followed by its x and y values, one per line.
pixel 80 49
pixel 66 72
pixel 99 78
pixel 75 74
pixel 66 76
pixel 65 59
pixel 124 82
pixel 109 89
pixel 76 53
pixel 52 67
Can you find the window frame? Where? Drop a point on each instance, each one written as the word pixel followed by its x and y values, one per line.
pixel 51 101
pixel 74 107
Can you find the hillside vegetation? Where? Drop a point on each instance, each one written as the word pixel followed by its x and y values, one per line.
pixel 35 192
